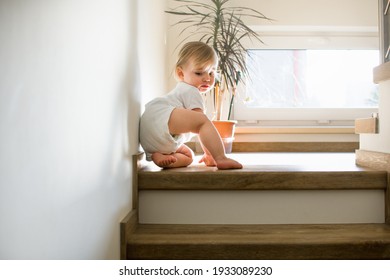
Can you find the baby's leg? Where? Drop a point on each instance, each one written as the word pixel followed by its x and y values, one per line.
pixel 185 150
pixel 181 158
pixel 163 160
pixel 184 120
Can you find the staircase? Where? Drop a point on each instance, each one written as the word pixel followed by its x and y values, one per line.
pixel 279 206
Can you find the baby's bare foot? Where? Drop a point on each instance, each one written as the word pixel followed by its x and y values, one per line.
pixel 228 163
pixel 162 160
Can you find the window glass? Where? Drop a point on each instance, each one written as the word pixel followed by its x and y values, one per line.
pixel 311 79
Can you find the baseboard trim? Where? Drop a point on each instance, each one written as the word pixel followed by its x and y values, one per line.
pixel 129 223
pixel 137 164
pixel 127 227
pixel 387 201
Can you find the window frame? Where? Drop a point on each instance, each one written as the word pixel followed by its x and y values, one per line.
pixel 308 37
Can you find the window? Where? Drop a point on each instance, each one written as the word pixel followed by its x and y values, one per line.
pixel 330 83
pixel 312 79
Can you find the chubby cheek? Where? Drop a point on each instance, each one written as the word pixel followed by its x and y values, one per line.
pixel 199 81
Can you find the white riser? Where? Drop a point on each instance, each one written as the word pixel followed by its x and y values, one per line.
pixel 262 207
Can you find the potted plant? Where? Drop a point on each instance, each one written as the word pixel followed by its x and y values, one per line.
pixel 221 25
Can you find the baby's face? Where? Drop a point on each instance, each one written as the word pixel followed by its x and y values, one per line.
pixel 202 78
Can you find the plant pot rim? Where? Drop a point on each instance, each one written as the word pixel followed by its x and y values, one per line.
pixel 229 121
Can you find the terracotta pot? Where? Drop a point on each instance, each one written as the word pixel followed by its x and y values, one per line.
pixel 226 131
pixel 225 128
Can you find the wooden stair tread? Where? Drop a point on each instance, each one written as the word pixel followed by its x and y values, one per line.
pixel 263 171
pixel 328 241
pixel 261 234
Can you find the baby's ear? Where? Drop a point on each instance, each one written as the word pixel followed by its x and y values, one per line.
pixel 179 73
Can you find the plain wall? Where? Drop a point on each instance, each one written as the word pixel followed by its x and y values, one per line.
pixel 71 87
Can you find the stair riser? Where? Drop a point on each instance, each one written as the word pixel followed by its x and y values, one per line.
pixel 262 207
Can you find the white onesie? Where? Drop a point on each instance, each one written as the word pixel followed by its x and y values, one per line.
pixel 154 132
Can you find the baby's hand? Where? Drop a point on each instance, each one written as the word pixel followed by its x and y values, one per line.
pixel 208 160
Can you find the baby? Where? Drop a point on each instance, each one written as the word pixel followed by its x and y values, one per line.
pixel 169 121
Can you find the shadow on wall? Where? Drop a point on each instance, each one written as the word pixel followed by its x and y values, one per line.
pixel 132 82
pixel 131 101
pixel 69 106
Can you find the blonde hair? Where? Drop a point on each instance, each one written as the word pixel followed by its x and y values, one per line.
pixel 199 53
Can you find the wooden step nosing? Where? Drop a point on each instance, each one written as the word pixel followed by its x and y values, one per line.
pixel 261 233
pixel 262 180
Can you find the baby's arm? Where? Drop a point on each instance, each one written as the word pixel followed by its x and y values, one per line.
pixel 207 158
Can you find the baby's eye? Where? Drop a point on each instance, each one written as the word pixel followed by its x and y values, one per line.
pixel 198 73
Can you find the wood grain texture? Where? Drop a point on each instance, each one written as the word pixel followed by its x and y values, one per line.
pixel 268 171
pixel 127 227
pixel 129 223
pixel 342 241
pixel 387 201
pixel 374 160
pixel 367 125
pixel 260 180
pixel 137 162
pixel 262 171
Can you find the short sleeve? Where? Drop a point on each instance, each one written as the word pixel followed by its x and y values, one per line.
pixel 191 98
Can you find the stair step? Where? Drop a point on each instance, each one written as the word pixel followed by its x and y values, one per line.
pixel 272 188
pixel 268 171
pixel 341 241
pixel 320 175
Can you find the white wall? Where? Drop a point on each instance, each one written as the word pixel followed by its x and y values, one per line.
pixel 152 50
pixel 70 100
pixel 316 12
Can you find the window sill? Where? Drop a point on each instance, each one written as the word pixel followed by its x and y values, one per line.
pixel 294 130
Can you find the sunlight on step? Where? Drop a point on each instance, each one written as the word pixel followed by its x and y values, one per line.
pixel 278 161
pixel 307 161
